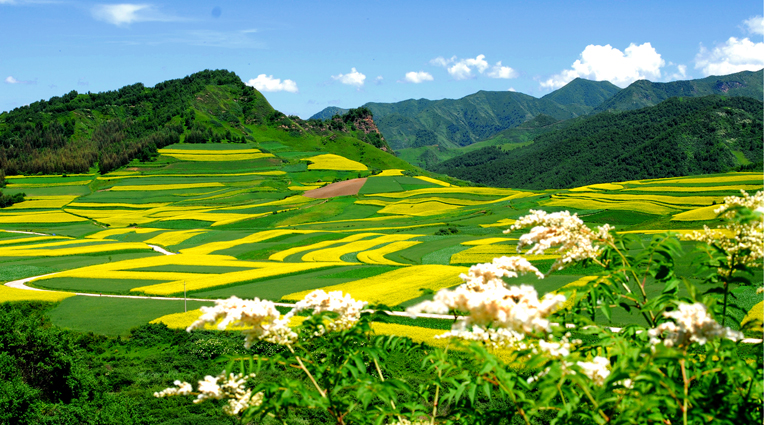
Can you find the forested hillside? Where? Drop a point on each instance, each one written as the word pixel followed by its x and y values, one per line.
pixel 681 136
pixel 72 133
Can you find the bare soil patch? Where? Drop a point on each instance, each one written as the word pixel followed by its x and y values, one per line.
pixel 344 188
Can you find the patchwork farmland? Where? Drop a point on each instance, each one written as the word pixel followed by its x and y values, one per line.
pixel 212 221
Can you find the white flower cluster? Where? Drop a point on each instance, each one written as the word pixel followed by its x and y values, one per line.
pixel 181 388
pixel 597 369
pixel 691 324
pixel 259 319
pixel 516 308
pixel 489 275
pixel 348 309
pixel 491 337
pixel 746 245
pixel 231 387
pixel 575 240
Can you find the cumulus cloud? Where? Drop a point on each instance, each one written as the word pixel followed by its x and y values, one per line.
pixel 11 80
pixel 417 77
pixel 353 78
pixel 126 13
pixel 732 56
pixel 462 69
pixel 270 84
pixel 511 89
pixel 680 74
pixel 499 71
pixel 754 25
pixel 378 80
pixel 606 63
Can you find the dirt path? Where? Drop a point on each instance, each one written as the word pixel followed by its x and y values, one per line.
pixel 344 188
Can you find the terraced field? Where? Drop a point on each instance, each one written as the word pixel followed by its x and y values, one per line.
pixel 233 221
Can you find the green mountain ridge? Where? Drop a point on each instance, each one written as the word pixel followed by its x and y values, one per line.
pixel 644 93
pixel 454 123
pixel 680 136
pixel 79 131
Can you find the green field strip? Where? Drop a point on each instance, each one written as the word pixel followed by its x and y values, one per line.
pixel 113 316
pixel 91 285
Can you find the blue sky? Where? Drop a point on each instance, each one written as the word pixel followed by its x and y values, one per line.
pixel 307 55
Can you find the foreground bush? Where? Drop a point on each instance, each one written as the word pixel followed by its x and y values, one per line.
pixel 682 366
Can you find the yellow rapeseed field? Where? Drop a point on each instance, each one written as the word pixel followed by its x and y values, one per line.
pixel 579 283
pixel 255 237
pixel 487 253
pixel 111 176
pixel 396 286
pixel 488 241
pixel 105 234
pixel 692 189
pixel 13 294
pixel 170 151
pixel 335 253
pixel 165 186
pixel 57 184
pixel 334 162
pixel 733 177
pixel 391 172
pixel 417 208
pixel 416 333
pixel 486 191
pixel 281 255
pixel 505 222
pixel 40 217
pixel 756 313
pixel 116 205
pixel 27 251
pixel 292 200
pixel 215 158
pixel 203 281
pixel 42 202
pixel 174 238
pixel 434 181
pixel 184 320
pixel 24 240
pixel 377 256
pixel 703 213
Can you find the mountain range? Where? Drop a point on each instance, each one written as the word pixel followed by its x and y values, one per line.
pixel 425 132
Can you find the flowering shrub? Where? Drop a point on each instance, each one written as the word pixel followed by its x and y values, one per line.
pixel 682 366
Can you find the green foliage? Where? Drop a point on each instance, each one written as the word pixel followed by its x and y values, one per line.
pixel 8 200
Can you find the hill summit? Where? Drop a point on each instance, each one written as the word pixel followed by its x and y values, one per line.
pixel 78 131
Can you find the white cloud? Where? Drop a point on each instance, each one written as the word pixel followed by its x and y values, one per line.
pixel 606 63
pixel 270 84
pixel 732 56
pixel 441 61
pixel 462 69
pixel 353 78
pixel 417 77
pixel 511 89
pixel 754 25
pixel 499 71
pixel 11 80
pixel 378 80
pixel 126 13
pixel 680 74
